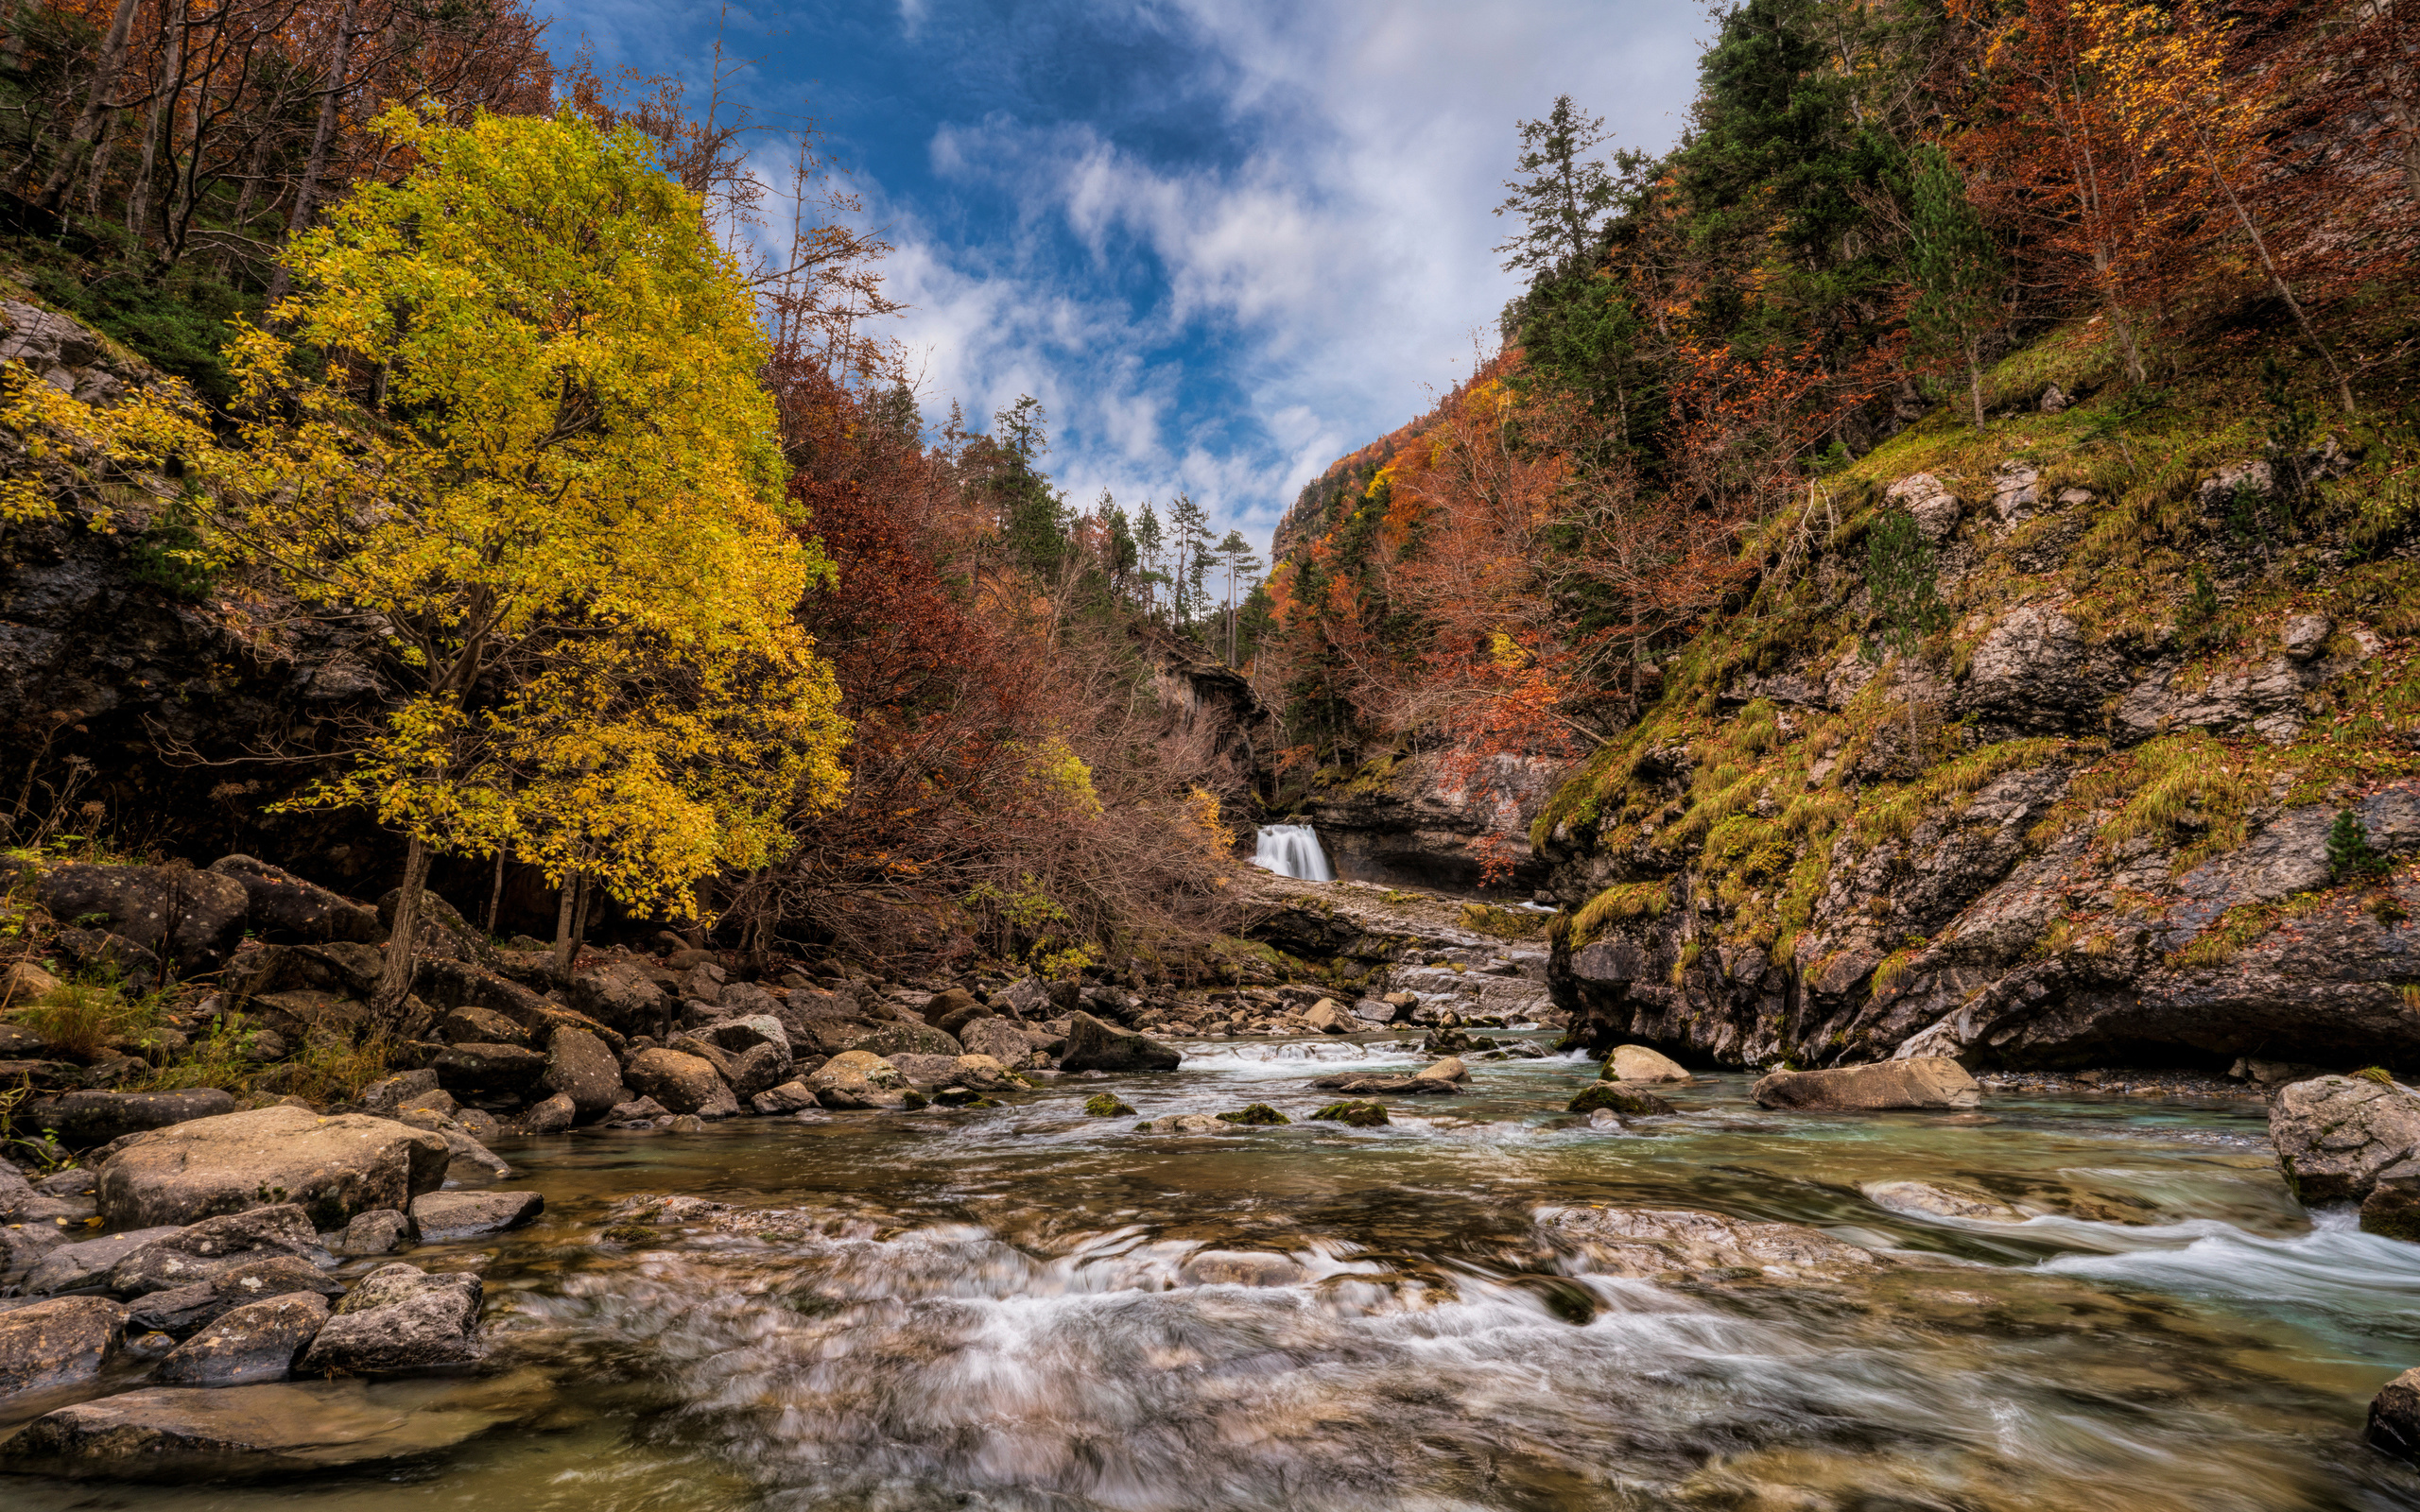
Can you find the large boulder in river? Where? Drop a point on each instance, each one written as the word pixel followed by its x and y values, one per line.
pixel 580 1067
pixel 191 920
pixel 1636 1063
pixel 442 1216
pixel 181 1435
pixel 1092 1045
pixel 332 1168
pixel 205 1249
pixel 683 1083
pixel 57 1343
pixel 253 1342
pixel 1009 1044
pixel 401 1319
pixel 856 1080
pixel 1931 1083
pixel 2394 1418
pixel 286 909
pixel 2336 1134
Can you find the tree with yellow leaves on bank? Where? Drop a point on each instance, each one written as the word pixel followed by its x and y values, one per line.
pixel 512 419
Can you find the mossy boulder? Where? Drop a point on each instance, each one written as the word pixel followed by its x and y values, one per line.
pixel 1355 1115
pixel 1255 1113
pixel 1620 1099
pixel 1105 1105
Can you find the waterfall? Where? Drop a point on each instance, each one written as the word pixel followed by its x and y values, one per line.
pixel 1292 851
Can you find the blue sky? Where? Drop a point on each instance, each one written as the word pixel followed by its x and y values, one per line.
pixel 1224 243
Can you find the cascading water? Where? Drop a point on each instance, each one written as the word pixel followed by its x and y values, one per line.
pixel 1292 851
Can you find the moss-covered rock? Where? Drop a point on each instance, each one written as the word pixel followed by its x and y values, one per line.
pixel 1620 1099
pixel 1105 1105
pixel 1255 1113
pixel 1357 1114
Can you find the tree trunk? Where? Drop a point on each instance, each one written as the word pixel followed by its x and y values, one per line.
pixel 306 192
pixel 159 124
pixel 96 106
pixel 495 890
pixel 565 898
pixel 2343 389
pixel 1974 379
pixel 395 977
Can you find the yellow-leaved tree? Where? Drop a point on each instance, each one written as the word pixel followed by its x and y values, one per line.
pixel 511 418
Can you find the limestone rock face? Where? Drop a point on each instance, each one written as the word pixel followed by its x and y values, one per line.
pixel 2336 1135
pixel 57 1343
pixel 1092 1045
pixel 330 1167
pixel 1936 1083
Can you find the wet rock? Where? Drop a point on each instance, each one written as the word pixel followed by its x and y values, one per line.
pixel 1255 1115
pixel 57 1343
pixel 2394 1418
pixel 1092 1045
pixel 474 1214
pixel 253 1342
pixel 179 1435
pixel 89 1118
pixel 480 1067
pixel 67 1267
pixel 925 1070
pixel 181 1311
pixel 175 1313
pixel 987 1073
pixel 1939 1202
pixel 23 1246
pixel 1637 1063
pixel 1239 1268
pixel 552 1116
pixel 859 1079
pixel 789 1098
pixel 639 1109
pixel 210 1246
pixel 1450 1069
pixel 2393 1206
pixel 683 1083
pixel 1363 1084
pixel 580 1067
pixel 382 1232
pixel 1107 1105
pixel 1934 1083
pixel 1327 1017
pixel 1650 1242
pixel 1617 1097
pixel 1354 1115
pixel 191 918
pixel 401 1319
pixel 1005 1043
pixel 2335 1134
pixel 332 1167
pixel 467 1160
pixel 283 908
pixel 1186 1123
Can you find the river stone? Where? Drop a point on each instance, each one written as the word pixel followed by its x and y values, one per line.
pixel 1187 1123
pixel 487 1067
pixel 1238 1267
pixel 896 1039
pixel 1638 1063
pixel 580 1067
pixel 552 1116
pixel 202 1250
pixel 333 1167
pixel 1092 1045
pixel 1939 1202
pixel 2335 1134
pixel 23 1247
pixel 190 918
pixel 637 1110
pixel 70 1266
pixel 253 1342
pixel 89 1118
pixel 857 1079
pixel 789 1098
pixel 1649 1242
pixel 400 1091
pixel 951 1011
pixel 1934 1082
pixel 175 1313
pixel 925 1070
pixel 984 1071
pixel 2394 1418
pixel 1005 1043
pixel 471 1024
pixel 1450 1069
pixel 467 1158
pixel 382 1232
pixel 1618 1098
pixel 401 1319
pixel 1365 1083
pixel 181 1435
pixel 2393 1206
pixel 1327 1017
pixel 285 908
pixel 683 1083
pixel 181 1311
pixel 474 1214
pixel 746 1032
pixel 57 1342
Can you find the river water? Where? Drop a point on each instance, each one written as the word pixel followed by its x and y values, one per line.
pixel 1022 1308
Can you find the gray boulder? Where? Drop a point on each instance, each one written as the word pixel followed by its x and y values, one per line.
pixel 90 1118
pixel 57 1342
pixel 488 1067
pixel 474 1214
pixel 399 1320
pixel 1636 1063
pixel 332 1168
pixel 189 918
pixel 552 1116
pixel 580 1067
pixel 253 1342
pixel 468 1159
pixel 2394 1418
pixel 1928 1083
pixel 622 996
pixel 382 1232
pixel 859 1079
pixel 285 908
pixel 68 1267
pixel 205 1250
pixel 181 1311
pixel 789 1098
pixel 1092 1045
pixel 637 1110
pixel 181 1435
pixel 1009 1044
pixel 2335 1135
pixel 23 1249
pixel 399 1091
pixel 683 1083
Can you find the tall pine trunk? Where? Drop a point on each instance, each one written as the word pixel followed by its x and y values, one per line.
pixel 306 192
pixel 97 107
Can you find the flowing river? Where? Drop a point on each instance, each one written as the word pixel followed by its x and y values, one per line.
pixel 1023 1308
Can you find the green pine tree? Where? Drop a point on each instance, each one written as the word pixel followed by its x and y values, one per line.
pixel 2350 858
pixel 1959 277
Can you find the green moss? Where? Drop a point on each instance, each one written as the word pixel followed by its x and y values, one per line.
pixel 1638 1104
pixel 1255 1114
pixel 1355 1115
pixel 1105 1105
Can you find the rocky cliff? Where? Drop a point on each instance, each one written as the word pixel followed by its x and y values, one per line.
pixel 2088 822
pixel 1407 819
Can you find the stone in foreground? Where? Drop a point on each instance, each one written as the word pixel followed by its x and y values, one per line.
pixel 2394 1418
pixel 474 1214
pixel 188 1434
pixel 1638 1063
pixel 57 1343
pixel 2336 1135
pixel 1931 1083
pixel 1092 1045
pixel 1617 1097
pixel 253 1342
pixel 332 1167
pixel 401 1319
